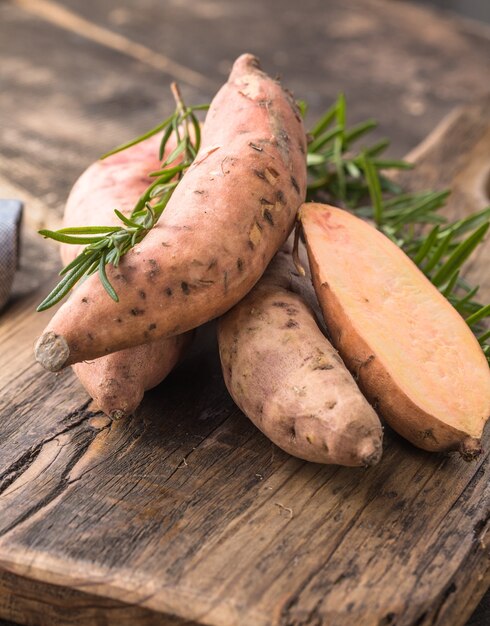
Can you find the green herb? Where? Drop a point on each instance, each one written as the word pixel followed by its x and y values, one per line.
pixel 356 181
pixel 107 244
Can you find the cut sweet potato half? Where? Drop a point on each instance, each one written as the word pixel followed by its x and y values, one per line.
pixel 415 357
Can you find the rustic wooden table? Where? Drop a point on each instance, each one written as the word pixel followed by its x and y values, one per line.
pixel 186 514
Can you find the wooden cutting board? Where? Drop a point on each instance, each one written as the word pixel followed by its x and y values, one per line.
pixel 187 514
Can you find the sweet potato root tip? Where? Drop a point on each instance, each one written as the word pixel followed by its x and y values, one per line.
pixel 470 449
pixel 369 451
pixel 117 414
pixel 52 351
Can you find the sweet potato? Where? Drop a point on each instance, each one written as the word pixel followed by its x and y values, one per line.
pixel 231 212
pixel 416 358
pixel 288 379
pixel 118 381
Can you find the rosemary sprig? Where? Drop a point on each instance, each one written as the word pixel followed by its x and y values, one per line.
pixel 356 180
pixel 107 244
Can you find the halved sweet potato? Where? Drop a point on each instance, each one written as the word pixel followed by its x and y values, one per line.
pixel 414 355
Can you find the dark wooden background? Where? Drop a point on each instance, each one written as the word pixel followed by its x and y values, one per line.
pixel 79 76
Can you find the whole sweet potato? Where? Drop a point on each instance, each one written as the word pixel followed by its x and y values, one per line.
pixel 415 356
pixel 231 212
pixel 118 381
pixel 288 379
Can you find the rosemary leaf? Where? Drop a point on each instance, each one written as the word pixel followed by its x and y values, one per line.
pixel 325 121
pixel 57 236
pixel 66 284
pixel 133 142
pixel 104 280
pixel 479 315
pixel 374 189
pixel 427 245
pixel 459 255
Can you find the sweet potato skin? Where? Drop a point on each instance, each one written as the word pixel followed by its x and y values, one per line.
pixel 288 379
pixel 231 212
pixel 118 381
pixel 380 384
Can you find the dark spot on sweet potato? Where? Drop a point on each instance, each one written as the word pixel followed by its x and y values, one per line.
pixel 268 217
pixel 168 291
pixel 280 197
pixel 259 226
pixel 264 102
pixel 291 310
pixel 90 336
pixel 283 136
pixel 291 324
pixel 273 172
pixel 332 405
pixel 213 263
pixel 280 305
pixel 185 288
pixel 136 312
pixel 265 201
pixel 251 245
pixel 85 300
pixel 152 262
pixel 255 147
pixel 152 326
pixel 119 320
pixel 225 282
pixel 294 183
pixel 292 433
pixel 142 295
pixel 322 366
pixel 165 244
pixel 199 191
pixel 239 264
pixel 175 329
pixel 428 434
pixel 260 174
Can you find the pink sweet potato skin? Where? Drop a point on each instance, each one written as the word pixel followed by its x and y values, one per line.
pixel 118 381
pixel 288 379
pixel 231 212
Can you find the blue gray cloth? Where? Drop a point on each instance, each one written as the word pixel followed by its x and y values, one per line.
pixel 10 219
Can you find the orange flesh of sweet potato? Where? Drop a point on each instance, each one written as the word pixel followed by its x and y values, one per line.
pixel 118 381
pixel 231 212
pixel 415 356
pixel 289 380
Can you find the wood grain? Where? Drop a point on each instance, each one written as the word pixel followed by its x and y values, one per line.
pixel 186 514
pixel 66 98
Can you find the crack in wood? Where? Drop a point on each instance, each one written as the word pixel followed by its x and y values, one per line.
pixel 18 467
pixel 64 481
